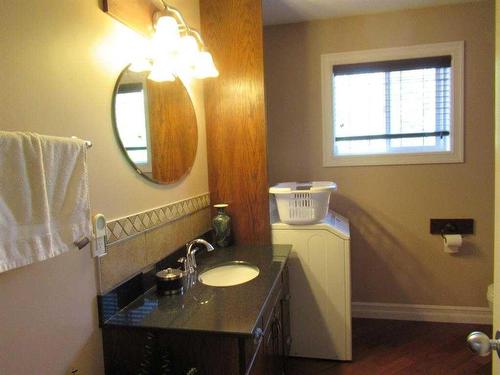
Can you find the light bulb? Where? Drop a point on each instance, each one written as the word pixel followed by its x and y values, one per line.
pixel 161 72
pixel 205 66
pixel 188 51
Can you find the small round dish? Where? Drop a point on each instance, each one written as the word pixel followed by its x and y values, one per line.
pixel 169 281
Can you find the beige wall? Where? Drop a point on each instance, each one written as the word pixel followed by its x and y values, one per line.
pixel 60 60
pixel 394 258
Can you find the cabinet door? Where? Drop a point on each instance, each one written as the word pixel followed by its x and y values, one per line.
pixel 269 357
pixel 259 363
pixel 279 345
pixel 263 362
pixel 285 315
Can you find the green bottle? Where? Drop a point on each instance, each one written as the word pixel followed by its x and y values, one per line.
pixel 221 224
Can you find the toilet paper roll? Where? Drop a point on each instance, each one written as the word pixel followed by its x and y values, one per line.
pixel 452 243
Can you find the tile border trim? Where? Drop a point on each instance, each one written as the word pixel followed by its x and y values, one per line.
pixel 123 228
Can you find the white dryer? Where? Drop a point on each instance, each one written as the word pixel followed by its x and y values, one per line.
pixel 320 286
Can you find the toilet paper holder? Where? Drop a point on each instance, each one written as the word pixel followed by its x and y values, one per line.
pixel 452 231
pixel 451 226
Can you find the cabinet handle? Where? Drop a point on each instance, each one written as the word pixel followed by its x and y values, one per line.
pixel 257 335
pixel 287 297
pixel 288 341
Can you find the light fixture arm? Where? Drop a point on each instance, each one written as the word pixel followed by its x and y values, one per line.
pixel 198 38
pixel 177 15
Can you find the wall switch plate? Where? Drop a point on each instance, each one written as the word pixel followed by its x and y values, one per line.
pixel 452 226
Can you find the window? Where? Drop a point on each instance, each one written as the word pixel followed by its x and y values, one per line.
pixel 131 117
pixel 393 106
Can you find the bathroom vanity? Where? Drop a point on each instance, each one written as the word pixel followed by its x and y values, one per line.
pixel 241 329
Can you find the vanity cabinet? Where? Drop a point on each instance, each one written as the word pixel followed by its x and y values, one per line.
pixel 139 350
pixel 286 333
pixel 270 354
pixel 275 346
pixel 269 358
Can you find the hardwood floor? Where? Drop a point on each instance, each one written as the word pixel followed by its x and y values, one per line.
pixel 397 347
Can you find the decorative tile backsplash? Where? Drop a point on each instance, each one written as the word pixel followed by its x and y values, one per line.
pixel 121 229
pixel 138 242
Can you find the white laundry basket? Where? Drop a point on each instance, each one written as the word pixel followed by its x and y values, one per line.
pixel 303 202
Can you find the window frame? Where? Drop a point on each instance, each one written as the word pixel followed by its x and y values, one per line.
pixel 456 153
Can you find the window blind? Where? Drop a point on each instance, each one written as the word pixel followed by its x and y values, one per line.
pixel 126 88
pixel 392 106
pixel 393 65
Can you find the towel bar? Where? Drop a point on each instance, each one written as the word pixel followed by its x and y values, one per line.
pixel 82 243
pixel 87 143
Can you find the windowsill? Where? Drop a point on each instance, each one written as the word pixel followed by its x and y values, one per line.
pixel 393 159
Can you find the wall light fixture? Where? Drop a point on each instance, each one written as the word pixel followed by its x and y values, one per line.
pixel 176 50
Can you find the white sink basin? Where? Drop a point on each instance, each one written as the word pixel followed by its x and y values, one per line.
pixel 229 274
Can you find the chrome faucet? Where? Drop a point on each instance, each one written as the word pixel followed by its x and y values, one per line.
pixel 190 261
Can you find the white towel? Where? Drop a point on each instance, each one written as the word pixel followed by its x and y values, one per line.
pixel 44 197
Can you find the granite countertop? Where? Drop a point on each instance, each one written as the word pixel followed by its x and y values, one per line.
pixel 201 308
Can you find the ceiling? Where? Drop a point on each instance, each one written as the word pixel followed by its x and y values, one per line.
pixel 289 11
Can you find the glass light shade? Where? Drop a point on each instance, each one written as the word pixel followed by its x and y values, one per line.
pixel 140 65
pixel 167 35
pixel 205 66
pixel 188 51
pixel 167 26
pixel 161 72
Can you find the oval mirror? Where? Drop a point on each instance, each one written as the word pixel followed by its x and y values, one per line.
pixel 155 125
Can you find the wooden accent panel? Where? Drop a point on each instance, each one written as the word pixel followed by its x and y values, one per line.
pixel 235 115
pixel 173 130
pixel 136 14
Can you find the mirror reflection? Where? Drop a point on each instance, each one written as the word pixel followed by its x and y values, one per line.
pixel 155 125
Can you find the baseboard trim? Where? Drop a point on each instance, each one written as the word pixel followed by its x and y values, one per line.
pixel 425 313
